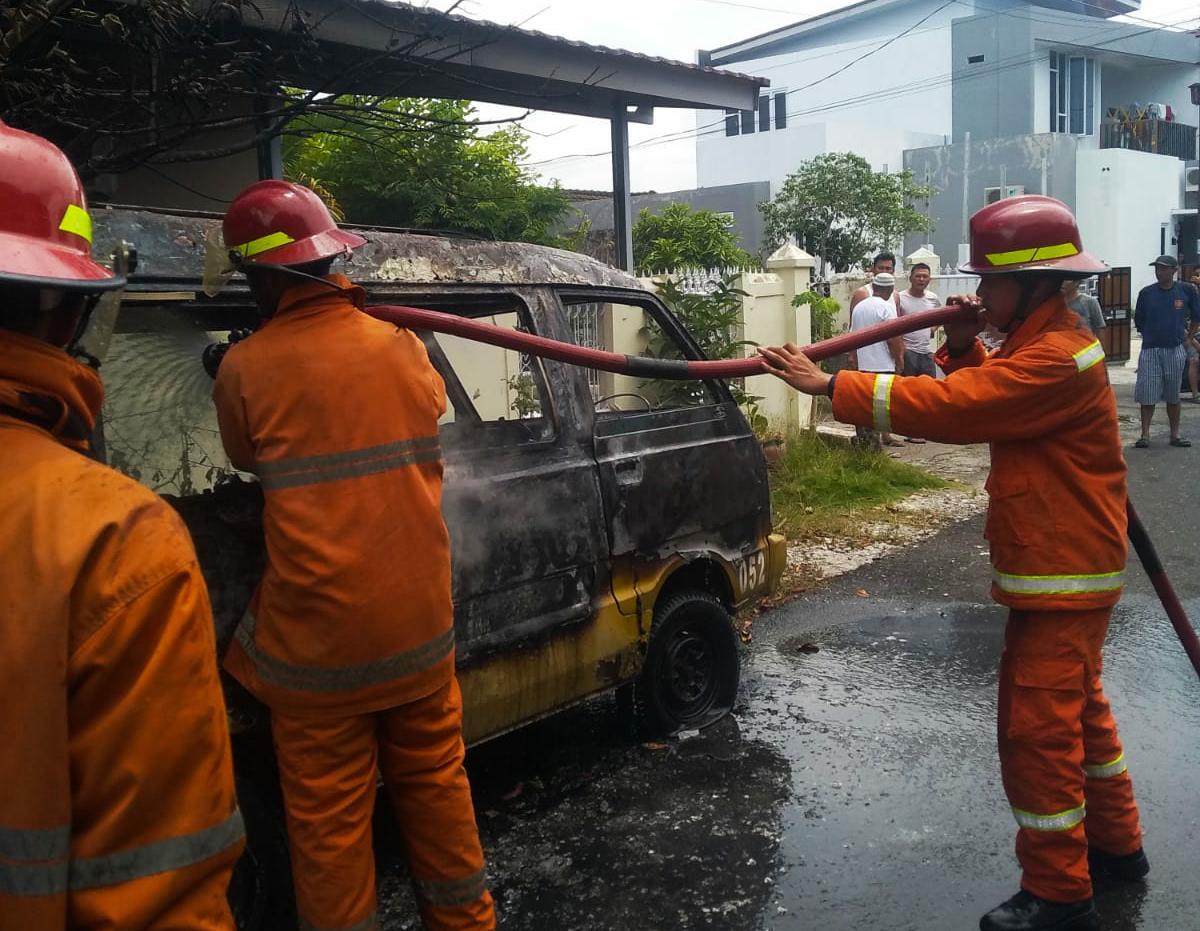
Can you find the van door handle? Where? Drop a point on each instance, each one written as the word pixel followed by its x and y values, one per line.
pixel 628 472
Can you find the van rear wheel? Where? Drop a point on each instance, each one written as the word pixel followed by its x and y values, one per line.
pixel 690 677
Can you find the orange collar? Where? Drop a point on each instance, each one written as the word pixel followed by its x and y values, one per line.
pixel 311 297
pixel 42 385
pixel 1053 314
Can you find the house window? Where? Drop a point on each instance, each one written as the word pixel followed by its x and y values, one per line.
pixel 745 122
pixel 1072 94
pixel 974 59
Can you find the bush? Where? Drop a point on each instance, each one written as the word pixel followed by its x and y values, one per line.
pixel 712 320
pixel 822 485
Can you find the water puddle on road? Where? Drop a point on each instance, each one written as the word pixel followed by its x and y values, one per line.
pixel 897 818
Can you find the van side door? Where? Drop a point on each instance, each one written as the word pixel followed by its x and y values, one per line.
pixel 679 465
pixel 521 495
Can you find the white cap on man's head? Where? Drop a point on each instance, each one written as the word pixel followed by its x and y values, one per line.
pixel 884 280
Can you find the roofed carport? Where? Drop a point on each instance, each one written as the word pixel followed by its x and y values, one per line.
pixel 444 55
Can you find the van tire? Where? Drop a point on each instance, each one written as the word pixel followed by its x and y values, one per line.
pixel 690 676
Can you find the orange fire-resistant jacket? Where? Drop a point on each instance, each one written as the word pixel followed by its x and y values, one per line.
pixel 117 804
pixel 337 414
pixel 1056 512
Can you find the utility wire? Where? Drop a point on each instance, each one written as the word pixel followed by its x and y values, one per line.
pixel 895 92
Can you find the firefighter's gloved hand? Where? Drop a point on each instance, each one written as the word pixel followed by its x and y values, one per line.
pixel 215 352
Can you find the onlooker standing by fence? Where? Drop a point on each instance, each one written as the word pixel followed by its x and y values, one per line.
pixel 885 356
pixel 884 263
pixel 1166 316
pixel 1086 306
pixel 918 345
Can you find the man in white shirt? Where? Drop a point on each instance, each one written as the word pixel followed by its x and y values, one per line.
pixel 884 262
pixel 887 356
pixel 918 345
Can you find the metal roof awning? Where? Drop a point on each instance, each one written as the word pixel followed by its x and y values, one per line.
pixel 394 49
pixel 445 55
pixel 419 52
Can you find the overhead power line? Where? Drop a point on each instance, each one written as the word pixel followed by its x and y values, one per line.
pixel 895 92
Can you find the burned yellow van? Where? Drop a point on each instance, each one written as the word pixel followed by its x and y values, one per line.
pixel 604 531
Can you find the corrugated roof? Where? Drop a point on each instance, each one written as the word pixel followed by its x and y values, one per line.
pixel 560 40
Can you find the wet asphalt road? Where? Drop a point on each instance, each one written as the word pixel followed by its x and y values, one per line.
pixel 855 787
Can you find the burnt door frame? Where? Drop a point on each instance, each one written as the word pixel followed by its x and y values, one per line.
pixel 525 517
pixel 678 479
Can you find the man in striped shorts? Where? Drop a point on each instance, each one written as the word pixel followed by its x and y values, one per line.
pixel 1166 316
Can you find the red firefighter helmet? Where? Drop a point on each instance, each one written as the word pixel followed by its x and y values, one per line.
pixel 282 223
pixel 1028 234
pixel 45 227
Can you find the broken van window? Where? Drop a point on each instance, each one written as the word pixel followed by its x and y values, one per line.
pixel 494 395
pixel 159 423
pixel 629 327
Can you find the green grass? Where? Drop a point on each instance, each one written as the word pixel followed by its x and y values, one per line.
pixel 822 486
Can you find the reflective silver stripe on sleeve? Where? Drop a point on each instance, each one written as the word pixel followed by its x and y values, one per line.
pixel 1105 770
pixel 882 407
pixel 332 467
pixel 370 923
pixel 162 856
pixel 1063 821
pixel 1088 356
pixel 1058 584
pixel 33 861
pixel 452 892
pixel 340 678
pixel 35 843
pixel 33 878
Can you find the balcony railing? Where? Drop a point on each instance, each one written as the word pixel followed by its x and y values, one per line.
pixel 1158 136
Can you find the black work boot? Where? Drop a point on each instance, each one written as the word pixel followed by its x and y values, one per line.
pixel 1026 912
pixel 1126 868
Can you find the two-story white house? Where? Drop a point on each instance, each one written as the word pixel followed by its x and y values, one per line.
pixel 982 99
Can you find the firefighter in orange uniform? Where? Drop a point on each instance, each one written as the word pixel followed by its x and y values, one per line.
pixel 1056 526
pixel 118 808
pixel 349 638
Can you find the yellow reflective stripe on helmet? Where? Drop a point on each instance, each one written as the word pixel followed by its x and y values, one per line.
pixel 78 221
pixel 1037 254
pixel 1062 821
pixel 1058 584
pixel 882 402
pixel 1106 770
pixel 262 244
pixel 1088 356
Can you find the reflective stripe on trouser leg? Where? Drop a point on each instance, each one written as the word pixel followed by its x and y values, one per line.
pixel 421 758
pixel 1040 738
pixel 327 769
pixel 1112 823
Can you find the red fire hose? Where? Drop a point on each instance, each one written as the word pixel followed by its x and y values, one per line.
pixel 1162 585
pixel 416 319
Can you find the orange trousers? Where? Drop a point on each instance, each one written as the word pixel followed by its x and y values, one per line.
pixel 327 768
pixel 1060 758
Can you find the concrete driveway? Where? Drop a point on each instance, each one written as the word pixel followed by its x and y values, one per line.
pixel 855 787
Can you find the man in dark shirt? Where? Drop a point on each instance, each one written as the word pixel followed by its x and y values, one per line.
pixel 1166 316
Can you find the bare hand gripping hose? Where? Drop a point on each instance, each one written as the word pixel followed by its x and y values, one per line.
pixel 416 319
